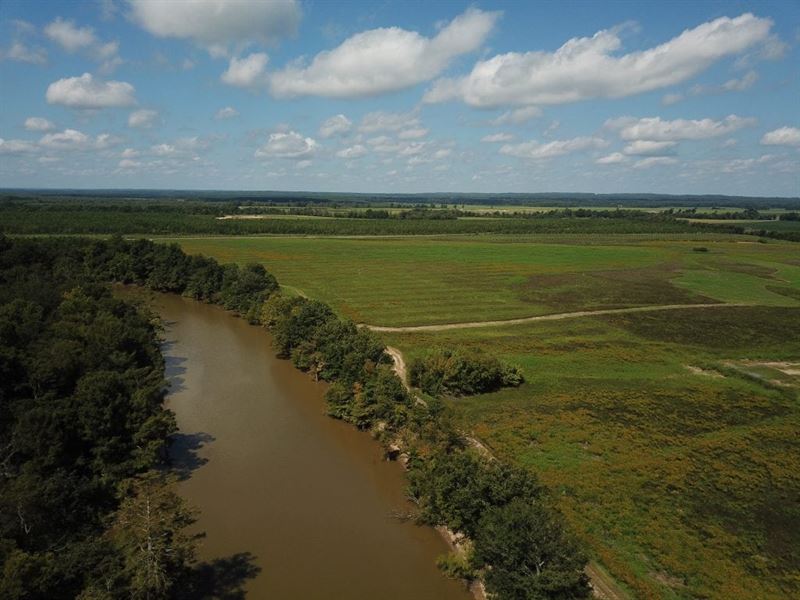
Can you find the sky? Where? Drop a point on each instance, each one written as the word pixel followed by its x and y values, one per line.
pixel 413 96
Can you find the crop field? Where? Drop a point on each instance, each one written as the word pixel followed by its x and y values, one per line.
pixel 670 439
pixel 418 281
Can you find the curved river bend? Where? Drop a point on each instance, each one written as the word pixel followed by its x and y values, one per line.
pixel 309 497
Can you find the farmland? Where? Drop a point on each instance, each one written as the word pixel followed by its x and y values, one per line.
pixel 669 439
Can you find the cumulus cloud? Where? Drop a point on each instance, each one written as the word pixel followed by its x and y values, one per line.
pixel 497 137
pixel 38 124
pixel 538 151
pixel 19 52
pixel 388 121
pixel 90 93
pixel 384 60
pixel 72 139
pixel 226 113
pixel 182 147
pixel 73 39
pixel 246 72
pixel 517 116
pixel 217 24
pixel 649 148
pixel 784 136
pixel 614 158
pixel 413 134
pixel 69 36
pixel 657 129
pixel 356 151
pixel 590 67
pixel 654 161
pixel 288 144
pixel 336 125
pixel 143 118
pixel 16 147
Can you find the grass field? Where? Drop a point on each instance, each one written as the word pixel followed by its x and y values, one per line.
pixel 670 439
pixel 415 281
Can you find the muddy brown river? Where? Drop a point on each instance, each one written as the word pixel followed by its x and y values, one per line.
pixel 294 504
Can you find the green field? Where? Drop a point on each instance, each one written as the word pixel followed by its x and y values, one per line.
pixel 415 281
pixel 671 439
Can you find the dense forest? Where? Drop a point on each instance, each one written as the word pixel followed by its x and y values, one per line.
pixel 177 216
pixel 84 429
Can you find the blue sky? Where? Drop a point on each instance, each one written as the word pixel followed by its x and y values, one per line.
pixel 671 97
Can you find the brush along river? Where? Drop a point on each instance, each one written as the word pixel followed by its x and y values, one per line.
pixel 309 497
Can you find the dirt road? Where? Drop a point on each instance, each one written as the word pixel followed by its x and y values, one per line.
pixel 552 317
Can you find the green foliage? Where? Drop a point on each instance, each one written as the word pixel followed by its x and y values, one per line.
pixel 456 566
pixel 530 554
pixel 461 372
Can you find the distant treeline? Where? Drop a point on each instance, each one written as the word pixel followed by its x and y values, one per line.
pixel 23 220
pixel 55 427
pixel 343 198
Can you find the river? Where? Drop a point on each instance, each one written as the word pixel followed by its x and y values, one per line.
pixel 294 504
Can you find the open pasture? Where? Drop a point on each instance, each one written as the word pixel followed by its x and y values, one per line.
pixel 670 440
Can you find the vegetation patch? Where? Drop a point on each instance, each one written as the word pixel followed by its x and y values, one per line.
pixel 462 372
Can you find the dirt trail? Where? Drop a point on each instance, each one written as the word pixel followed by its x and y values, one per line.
pixel 399 365
pixel 552 317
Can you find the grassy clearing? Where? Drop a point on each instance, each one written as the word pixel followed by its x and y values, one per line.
pixel 684 484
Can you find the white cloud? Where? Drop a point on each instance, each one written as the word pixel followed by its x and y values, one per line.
pixel 657 129
pixel 16 147
pixel 654 161
pixel 69 36
pixel 784 136
pixel 356 151
pixel 247 72
pixel 216 24
pixel 38 124
pixel 670 99
pixel 87 92
pixel 388 121
pixel 143 118
pixel 182 147
pixel 21 53
pixel 537 151
pixel 129 153
pixel 127 163
pixel 287 145
pixel 614 158
pixel 226 113
pixel 336 125
pixel 746 164
pixel 73 39
pixel 586 68
pixel 72 139
pixel 497 137
pixel 649 148
pixel 384 60
pixel 517 116
pixel 413 134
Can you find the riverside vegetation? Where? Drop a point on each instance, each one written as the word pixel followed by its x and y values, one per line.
pixel 81 476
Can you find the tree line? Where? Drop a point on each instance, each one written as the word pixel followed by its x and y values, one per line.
pixel 84 428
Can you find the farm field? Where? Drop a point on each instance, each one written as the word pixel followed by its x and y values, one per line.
pixel 419 281
pixel 670 439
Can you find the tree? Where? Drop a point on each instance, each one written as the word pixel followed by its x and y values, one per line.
pixel 528 555
pixel 150 532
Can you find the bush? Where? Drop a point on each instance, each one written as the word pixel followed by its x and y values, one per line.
pixel 461 373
